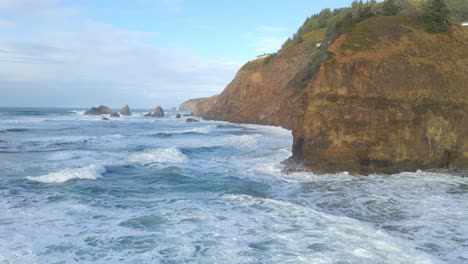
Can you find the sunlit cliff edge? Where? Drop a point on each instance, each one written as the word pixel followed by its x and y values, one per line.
pixel 386 96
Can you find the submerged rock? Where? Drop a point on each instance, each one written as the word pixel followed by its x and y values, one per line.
pixel 105 119
pixel 125 111
pixel 192 120
pixel 178 116
pixel 115 114
pixel 156 112
pixel 101 110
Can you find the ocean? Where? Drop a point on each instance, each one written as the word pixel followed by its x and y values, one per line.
pixel 78 189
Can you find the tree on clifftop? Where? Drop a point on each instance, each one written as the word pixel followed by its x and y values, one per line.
pixel 389 8
pixel 436 16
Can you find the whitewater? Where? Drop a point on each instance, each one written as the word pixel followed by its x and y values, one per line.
pixel 79 189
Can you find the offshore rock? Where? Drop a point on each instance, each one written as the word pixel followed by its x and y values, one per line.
pixel 156 112
pixel 125 111
pixel 191 120
pixel 101 110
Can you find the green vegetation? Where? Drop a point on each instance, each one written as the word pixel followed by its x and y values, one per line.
pixel 436 16
pixel 366 22
pixel 369 31
pixel 338 21
pixel 459 9
pixel 390 8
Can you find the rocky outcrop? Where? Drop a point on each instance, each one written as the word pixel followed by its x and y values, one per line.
pixel 125 111
pixel 400 106
pixel 188 105
pixel 192 120
pixel 178 116
pixel 396 101
pixel 156 112
pixel 115 114
pixel 101 110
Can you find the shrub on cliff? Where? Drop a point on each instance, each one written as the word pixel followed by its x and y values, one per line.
pixel 389 8
pixel 459 9
pixel 436 16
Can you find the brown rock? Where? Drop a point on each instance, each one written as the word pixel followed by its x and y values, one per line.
pixel 188 105
pixel 156 112
pixel 125 111
pixel 399 104
pixel 101 110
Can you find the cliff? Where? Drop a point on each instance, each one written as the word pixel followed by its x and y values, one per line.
pixel 388 97
pixel 190 104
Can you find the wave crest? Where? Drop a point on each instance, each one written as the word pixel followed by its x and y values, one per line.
pixel 167 155
pixel 86 173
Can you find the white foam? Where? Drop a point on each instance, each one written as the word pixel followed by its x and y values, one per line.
pixel 86 173
pixel 201 130
pixel 160 155
pixel 354 240
pixel 198 130
pixel 243 140
pixel 79 113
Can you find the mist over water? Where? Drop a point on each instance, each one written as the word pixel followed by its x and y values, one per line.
pixel 77 189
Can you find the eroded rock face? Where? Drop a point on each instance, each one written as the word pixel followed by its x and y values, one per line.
pixel 399 105
pixel 101 110
pixel 125 111
pixel 402 108
pixel 190 104
pixel 156 112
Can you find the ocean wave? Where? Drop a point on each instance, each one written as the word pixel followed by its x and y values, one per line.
pixel 199 130
pixel 243 140
pixel 91 172
pixel 325 232
pixel 15 130
pixel 79 113
pixel 160 155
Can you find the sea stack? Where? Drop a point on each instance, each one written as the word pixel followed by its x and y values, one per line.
pixel 101 110
pixel 125 111
pixel 156 112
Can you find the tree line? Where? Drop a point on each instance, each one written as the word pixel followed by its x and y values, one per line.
pixel 436 15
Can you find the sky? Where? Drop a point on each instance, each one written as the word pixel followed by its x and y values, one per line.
pixel 82 53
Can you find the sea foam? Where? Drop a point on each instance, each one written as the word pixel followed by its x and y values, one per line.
pixel 86 173
pixel 160 155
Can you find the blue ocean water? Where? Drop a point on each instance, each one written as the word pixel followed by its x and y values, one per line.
pixel 78 189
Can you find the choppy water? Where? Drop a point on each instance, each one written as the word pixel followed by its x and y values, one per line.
pixel 77 189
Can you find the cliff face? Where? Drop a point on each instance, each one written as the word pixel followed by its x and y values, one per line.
pixel 389 98
pixel 190 104
pixel 265 91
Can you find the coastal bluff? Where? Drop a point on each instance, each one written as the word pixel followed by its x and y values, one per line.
pixel 386 96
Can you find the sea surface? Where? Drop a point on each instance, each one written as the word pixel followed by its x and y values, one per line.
pixel 78 189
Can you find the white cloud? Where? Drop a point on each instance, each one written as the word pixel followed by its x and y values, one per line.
pixel 81 62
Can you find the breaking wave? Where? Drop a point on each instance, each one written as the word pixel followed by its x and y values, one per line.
pixel 91 172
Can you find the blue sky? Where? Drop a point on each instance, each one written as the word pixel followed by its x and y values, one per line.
pixel 142 52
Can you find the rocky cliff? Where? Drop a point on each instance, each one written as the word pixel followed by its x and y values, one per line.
pixel 388 97
pixel 190 104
